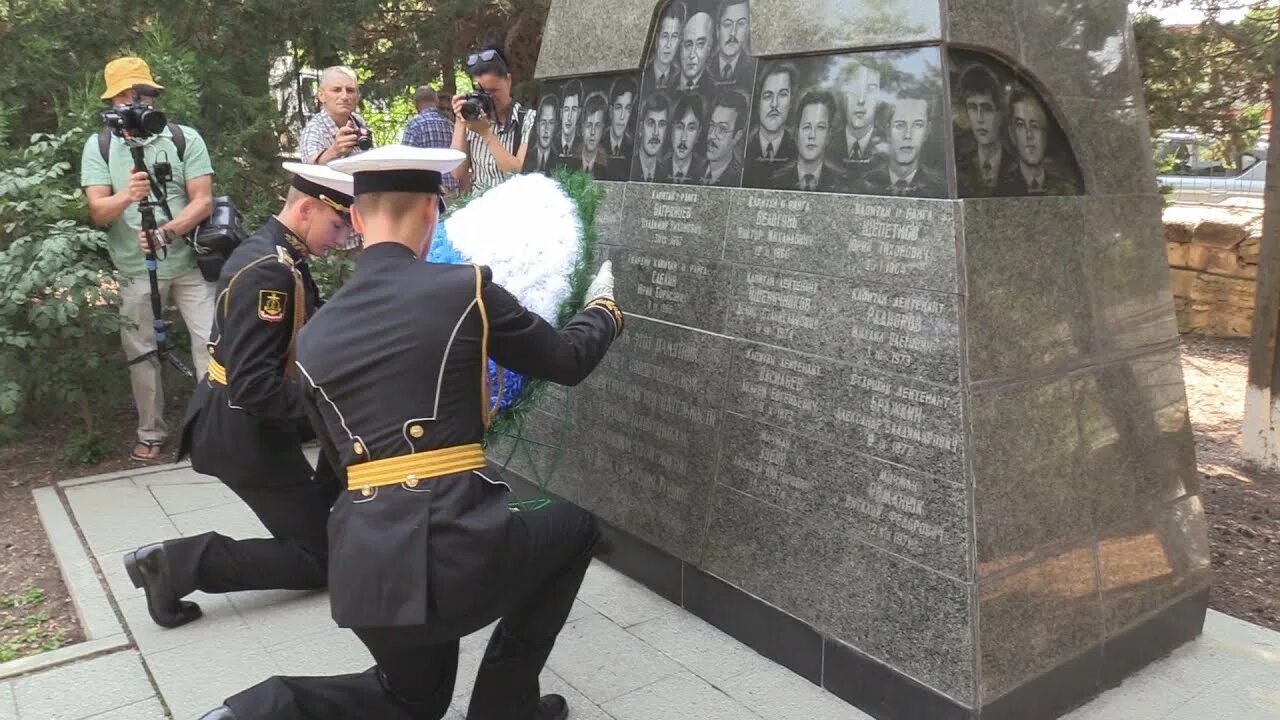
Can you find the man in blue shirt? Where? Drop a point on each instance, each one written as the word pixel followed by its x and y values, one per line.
pixel 430 129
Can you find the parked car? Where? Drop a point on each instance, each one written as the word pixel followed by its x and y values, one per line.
pixel 1198 177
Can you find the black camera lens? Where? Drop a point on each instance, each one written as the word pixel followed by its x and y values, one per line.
pixel 151 121
pixel 364 139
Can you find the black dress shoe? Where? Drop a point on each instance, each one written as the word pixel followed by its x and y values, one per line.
pixel 551 707
pixel 148 568
pixel 219 713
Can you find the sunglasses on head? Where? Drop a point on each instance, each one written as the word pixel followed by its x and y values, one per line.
pixel 482 56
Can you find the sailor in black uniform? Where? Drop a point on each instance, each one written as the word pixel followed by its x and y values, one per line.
pixel 423 547
pixel 245 423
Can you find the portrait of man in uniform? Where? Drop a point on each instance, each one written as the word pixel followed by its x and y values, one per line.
pixel 859 149
pixel 982 155
pixel 655 116
pixel 1035 172
pixel 696 45
pixel 816 117
pixel 663 70
pixel 686 164
pixel 570 109
pixel 544 155
pixel 726 129
pixel 593 158
pixel 618 143
pixel 771 144
pixel 904 174
pixel 732 65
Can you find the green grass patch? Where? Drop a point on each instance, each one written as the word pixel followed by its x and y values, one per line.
pixel 27 627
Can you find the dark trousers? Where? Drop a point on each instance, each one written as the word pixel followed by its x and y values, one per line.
pixel 417 665
pixel 294 507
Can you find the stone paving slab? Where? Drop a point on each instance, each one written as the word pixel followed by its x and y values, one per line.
pixel 626 653
pixel 87 689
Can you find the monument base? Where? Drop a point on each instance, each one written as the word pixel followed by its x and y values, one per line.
pixel 866 683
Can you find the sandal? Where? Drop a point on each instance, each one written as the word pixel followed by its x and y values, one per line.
pixel 146 451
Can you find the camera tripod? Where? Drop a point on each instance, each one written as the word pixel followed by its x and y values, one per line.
pixel 147 208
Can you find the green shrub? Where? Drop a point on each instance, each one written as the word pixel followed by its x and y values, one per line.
pixel 59 326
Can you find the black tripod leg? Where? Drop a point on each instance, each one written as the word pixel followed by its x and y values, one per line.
pixel 149 228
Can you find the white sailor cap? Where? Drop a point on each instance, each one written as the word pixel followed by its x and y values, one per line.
pixel 323 183
pixel 400 168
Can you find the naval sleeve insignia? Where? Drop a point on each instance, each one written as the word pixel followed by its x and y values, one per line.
pixel 271 304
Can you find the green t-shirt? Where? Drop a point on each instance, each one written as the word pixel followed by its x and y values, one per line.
pixel 123 233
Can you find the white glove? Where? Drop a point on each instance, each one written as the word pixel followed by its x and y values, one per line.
pixel 602 285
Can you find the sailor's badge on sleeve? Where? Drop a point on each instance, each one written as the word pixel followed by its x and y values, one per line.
pixel 271 304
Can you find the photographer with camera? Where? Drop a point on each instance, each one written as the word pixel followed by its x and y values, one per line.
pixel 336 131
pixel 179 179
pixel 491 127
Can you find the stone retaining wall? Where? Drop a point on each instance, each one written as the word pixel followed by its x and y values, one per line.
pixel 1213 253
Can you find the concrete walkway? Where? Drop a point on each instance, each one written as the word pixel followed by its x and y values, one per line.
pixel 626 653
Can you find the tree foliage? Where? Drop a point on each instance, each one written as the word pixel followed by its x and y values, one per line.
pixel 59 349
pixel 1213 78
pixel 58 321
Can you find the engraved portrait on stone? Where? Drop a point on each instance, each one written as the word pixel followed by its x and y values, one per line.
pixel 864 123
pixel 571 98
pixel 592 126
pixel 816 116
pixel 687 163
pixel 911 128
pixel 725 137
pixel 618 143
pixel 663 67
pixel 732 65
pixel 544 155
pixel 653 120
pixel 697 42
pixel 1007 142
pixel 770 143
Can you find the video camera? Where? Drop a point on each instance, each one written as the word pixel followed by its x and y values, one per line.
pixel 134 119
pixel 478 104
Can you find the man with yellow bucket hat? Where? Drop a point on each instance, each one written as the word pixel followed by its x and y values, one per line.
pixel 182 176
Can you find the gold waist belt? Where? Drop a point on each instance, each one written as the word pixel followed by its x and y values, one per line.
pixel 217 373
pixel 415 468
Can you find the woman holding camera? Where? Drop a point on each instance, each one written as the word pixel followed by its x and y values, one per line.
pixel 490 127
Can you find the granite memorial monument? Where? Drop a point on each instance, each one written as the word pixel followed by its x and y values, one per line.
pixel 899 403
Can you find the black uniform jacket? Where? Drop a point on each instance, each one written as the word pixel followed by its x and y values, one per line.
pixel 395 363
pixel 253 424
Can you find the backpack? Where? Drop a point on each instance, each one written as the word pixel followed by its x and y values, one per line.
pixel 179 141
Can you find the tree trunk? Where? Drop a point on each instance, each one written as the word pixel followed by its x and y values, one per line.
pixel 1261 441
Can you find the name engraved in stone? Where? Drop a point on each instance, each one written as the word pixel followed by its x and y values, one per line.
pixel 686 351
pixel 671 217
pixel 904 422
pixel 896 507
pixel 659 279
pixel 904 330
pixel 652 400
pixel 769 468
pixel 779 387
pixel 888 239
pixel 779 304
pixel 605 455
pixel 777 227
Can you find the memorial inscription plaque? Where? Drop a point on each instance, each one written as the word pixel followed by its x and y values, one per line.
pixel 861 416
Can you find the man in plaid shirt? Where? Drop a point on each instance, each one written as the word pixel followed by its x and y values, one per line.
pixel 430 129
pixel 331 133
